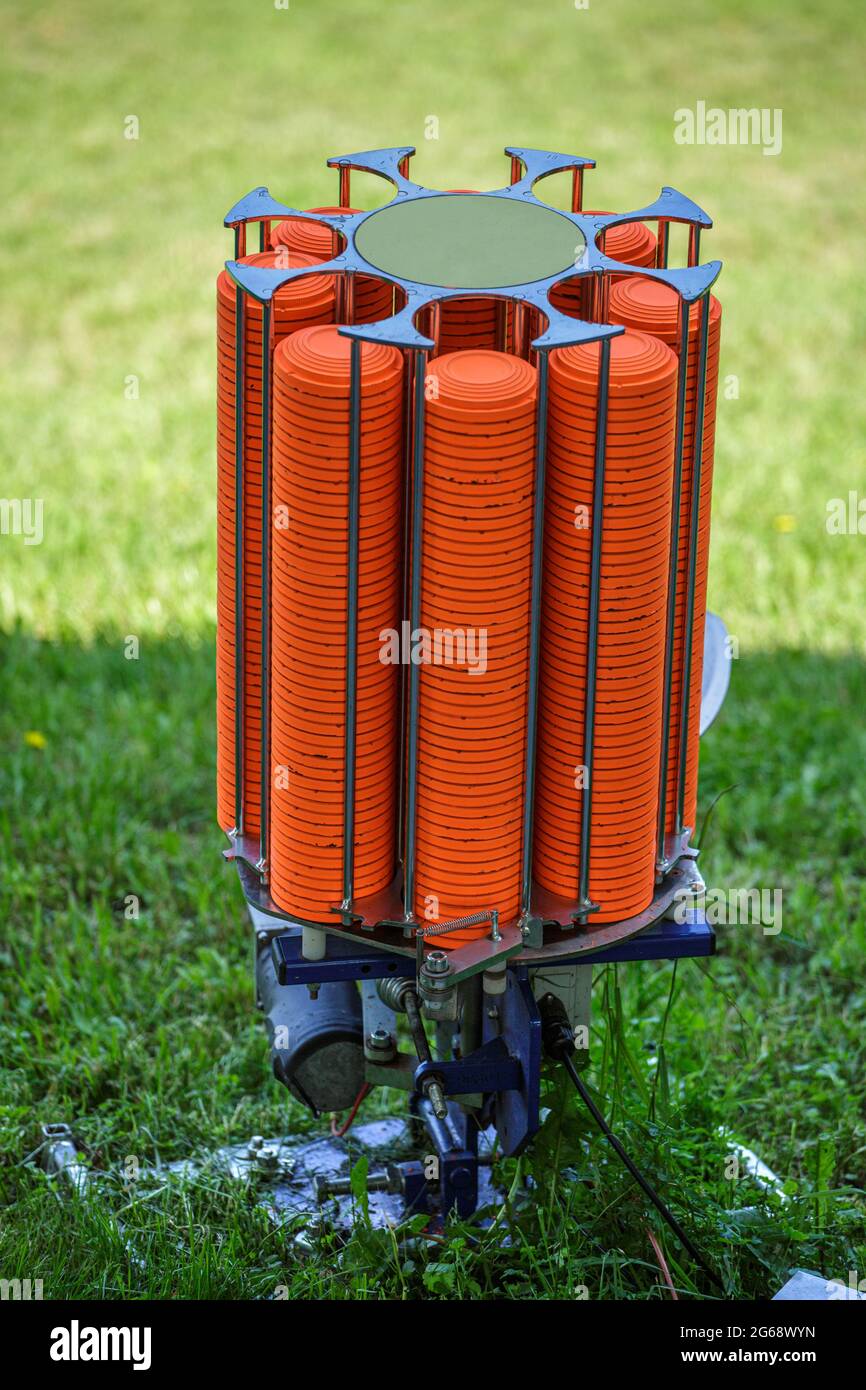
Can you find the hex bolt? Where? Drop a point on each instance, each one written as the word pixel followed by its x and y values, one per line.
pixel 389 1181
pixel 267 1159
pixel 437 963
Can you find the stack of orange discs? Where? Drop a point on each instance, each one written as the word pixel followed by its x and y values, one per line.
pixel 631 242
pixel 467 323
pixel 373 297
pixel 475 602
pixel 309 300
pixel 310 569
pixel 631 625
pixel 654 308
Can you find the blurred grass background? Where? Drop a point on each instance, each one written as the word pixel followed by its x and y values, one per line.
pixel 144 1033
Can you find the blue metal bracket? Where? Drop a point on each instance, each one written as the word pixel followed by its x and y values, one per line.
pixel 666 940
pixel 518 1023
pixel 345 960
pixel 490 1068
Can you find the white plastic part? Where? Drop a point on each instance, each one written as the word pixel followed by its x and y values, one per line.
pixel 716 675
pixel 495 980
pixel 314 943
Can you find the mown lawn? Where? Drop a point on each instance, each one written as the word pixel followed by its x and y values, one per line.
pixel 142 1031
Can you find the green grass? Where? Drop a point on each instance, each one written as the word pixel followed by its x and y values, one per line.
pixel 142 1031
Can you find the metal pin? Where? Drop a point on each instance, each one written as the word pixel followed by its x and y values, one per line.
pixel 592 628
pixel 502 325
pixel 534 635
pixel 662 248
pixel 415 621
pixel 240 664
pixel 404 605
pixel 352 620
pixel 673 576
pixel 264 814
pixel 576 189
pixel 694 520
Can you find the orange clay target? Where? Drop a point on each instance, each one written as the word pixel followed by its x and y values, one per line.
pixel 308 634
pixel 306 301
pixel 654 308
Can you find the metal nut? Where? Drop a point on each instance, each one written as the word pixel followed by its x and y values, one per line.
pixel 379 1046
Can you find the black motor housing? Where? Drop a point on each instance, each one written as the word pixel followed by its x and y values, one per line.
pixel 317 1045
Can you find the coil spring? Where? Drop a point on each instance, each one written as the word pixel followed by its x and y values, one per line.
pixel 472 919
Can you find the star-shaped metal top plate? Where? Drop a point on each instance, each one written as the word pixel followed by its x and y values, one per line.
pixel 424 241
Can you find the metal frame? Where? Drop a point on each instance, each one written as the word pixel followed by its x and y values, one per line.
pixel 543 919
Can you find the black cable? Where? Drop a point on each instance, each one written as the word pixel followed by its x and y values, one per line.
pixel 559 1044
pixel 663 1210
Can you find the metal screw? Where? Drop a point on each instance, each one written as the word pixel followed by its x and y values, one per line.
pixel 436 1096
pixel 389 1181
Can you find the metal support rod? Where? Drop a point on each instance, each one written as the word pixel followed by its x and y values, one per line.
pixel 502 324
pixel 592 627
pixel 352 621
pixel 530 755
pixel 595 285
pixel 576 189
pixel 240 664
pixel 348 315
pixel 673 578
pixel 264 235
pixel 518 328
pixel 404 603
pixel 435 324
pixel 694 520
pixel 604 298
pixel 516 169
pixel 265 809
pixel 694 244
pixel 345 175
pixel 662 249
pixel 431 1086
pixel 415 622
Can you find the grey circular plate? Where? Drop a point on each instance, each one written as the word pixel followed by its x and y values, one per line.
pixel 469 241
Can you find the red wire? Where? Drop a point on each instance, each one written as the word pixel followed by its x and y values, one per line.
pixel 359 1099
pixel 662 1263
